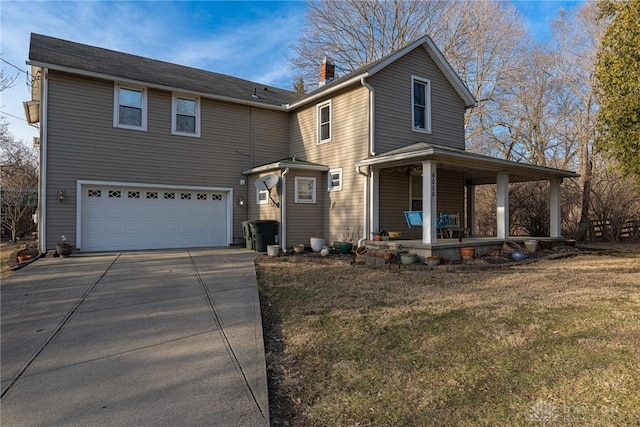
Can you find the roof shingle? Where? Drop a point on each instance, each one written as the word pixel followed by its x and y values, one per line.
pixel 53 52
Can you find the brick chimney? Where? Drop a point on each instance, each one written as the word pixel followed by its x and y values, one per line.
pixel 327 72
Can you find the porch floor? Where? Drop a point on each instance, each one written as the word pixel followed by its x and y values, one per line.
pixel 450 248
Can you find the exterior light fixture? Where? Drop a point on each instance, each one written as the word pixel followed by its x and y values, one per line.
pixel 61 196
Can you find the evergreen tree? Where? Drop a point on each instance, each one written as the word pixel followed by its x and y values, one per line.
pixel 618 74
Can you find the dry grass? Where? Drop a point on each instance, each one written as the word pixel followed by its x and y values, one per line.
pixel 550 342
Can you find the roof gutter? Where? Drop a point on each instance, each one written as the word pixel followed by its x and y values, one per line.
pixel 109 77
pixel 329 91
pixel 499 164
pixel 281 165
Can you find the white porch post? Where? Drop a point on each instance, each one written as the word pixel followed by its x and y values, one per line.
pixel 429 207
pixel 471 209
pixel 502 206
pixel 554 205
pixel 375 201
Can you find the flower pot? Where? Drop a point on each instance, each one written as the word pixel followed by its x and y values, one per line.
pixel 408 258
pixel 519 256
pixel 23 258
pixel 299 249
pixel 345 248
pixel 511 247
pixel 432 261
pixel 467 253
pixel 317 243
pixel 531 246
pixel 273 250
pixel 64 249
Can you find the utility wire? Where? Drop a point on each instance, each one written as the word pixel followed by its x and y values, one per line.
pixel 11 115
pixel 14 66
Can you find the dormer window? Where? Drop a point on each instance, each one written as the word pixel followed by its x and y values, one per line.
pixel 421 96
pixel 130 107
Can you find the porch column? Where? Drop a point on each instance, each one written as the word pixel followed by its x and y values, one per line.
pixel 429 207
pixel 554 205
pixel 375 201
pixel 502 206
pixel 471 209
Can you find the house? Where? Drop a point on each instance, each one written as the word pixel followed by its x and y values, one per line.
pixel 138 153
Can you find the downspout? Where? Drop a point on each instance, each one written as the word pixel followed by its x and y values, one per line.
pixel 283 212
pixel 42 205
pixel 372 153
pixel 366 206
pixel 372 118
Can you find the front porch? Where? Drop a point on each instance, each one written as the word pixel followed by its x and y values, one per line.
pixel 450 248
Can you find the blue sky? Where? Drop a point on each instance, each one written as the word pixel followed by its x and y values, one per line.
pixel 248 39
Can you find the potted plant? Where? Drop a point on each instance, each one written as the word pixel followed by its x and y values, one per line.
pixel 432 261
pixel 408 258
pixel 345 246
pixel 317 241
pixel 63 247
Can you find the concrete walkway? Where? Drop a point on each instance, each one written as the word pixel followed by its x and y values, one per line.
pixel 152 338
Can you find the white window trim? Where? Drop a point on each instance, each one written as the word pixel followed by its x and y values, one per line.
pixel 313 193
pixel 259 201
pixel 427 119
pixel 319 107
pixel 330 184
pixel 116 106
pixel 174 112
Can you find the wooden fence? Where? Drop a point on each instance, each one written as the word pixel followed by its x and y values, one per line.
pixel 605 230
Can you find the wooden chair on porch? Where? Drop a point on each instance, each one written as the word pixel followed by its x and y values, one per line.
pixel 449 225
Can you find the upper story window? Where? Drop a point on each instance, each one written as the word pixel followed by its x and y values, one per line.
pixel 185 115
pixel 421 112
pixel 324 122
pixel 335 180
pixel 305 190
pixel 130 107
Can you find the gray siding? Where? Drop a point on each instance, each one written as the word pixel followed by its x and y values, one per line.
pixel 393 105
pixel 264 211
pixel 394 199
pixel 304 219
pixel 83 144
pixel 349 144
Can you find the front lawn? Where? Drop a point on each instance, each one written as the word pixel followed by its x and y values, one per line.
pixel 549 343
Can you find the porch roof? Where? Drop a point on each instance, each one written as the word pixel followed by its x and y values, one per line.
pixel 478 169
pixel 289 162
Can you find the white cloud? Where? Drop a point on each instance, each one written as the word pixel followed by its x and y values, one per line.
pixel 244 39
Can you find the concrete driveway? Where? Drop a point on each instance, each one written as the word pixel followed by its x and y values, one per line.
pixel 157 338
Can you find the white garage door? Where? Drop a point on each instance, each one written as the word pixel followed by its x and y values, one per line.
pixel 124 218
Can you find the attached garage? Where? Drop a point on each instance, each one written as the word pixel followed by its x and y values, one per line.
pixel 127 217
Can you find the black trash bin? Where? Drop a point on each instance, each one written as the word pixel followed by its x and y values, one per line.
pixel 246 232
pixel 263 233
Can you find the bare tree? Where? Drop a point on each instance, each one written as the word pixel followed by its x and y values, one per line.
pixel 7 81
pixel 354 33
pixel 484 41
pixel 487 45
pixel 577 36
pixel 18 182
